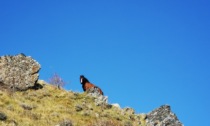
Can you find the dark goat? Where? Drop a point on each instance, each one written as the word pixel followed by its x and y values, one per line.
pixel 87 85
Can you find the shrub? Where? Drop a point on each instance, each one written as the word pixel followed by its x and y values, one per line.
pixel 57 81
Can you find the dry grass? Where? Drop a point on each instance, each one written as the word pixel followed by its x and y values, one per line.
pixel 50 106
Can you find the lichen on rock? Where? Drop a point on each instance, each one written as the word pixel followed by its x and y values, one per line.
pixel 18 72
pixel 99 99
pixel 162 116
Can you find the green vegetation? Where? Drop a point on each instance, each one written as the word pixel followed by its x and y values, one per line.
pixel 51 106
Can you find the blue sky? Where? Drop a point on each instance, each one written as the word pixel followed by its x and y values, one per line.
pixel 143 54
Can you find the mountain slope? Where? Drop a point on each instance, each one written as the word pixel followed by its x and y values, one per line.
pixel 27 101
pixel 50 106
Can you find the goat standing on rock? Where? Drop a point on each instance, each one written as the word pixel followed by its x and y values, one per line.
pixel 86 85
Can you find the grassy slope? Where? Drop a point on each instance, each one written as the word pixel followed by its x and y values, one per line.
pixel 50 106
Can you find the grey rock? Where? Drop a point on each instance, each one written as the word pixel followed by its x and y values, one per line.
pixel 99 99
pixel 26 107
pixel 162 117
pixel 78 108
pixel 94 90
pixel 3 116
pixel 18 72
pixel 65 123
pixel 128 111
pixel 42 82
pixel 116 105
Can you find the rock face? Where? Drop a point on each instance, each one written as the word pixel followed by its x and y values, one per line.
pixel 93 90
pixel 162 117
pixel 18 72
pixel 99 99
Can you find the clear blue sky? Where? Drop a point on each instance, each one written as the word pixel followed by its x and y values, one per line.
pixel 143 54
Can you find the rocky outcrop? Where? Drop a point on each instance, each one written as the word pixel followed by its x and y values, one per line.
pixel 93 90
pixel 99 99
pixel 21 73
pixel 162 117
pixel 18 72
pixel 68 108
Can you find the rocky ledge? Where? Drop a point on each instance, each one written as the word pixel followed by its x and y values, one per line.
pixel 162 116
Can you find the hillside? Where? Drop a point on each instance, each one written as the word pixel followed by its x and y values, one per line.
pixel 50 106
pixel 27 101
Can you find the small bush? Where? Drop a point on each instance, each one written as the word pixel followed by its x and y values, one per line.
pixel 57 81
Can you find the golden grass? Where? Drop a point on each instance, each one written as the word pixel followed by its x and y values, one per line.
pixel 50 106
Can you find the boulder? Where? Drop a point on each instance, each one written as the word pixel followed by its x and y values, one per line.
pixel 3 116
pixel 99 99
pixel 18 72
pixel 162 116
pixel 94 90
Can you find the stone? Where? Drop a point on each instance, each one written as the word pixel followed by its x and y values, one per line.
pixel 3 116
pixel 116 105
pixel 128 111
pixel 99 99
pixel 94 90
pixel 65 123
pixel 18 72
pixel 26 107
pixel 78 108
pixel 162 116
pixel 42 82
